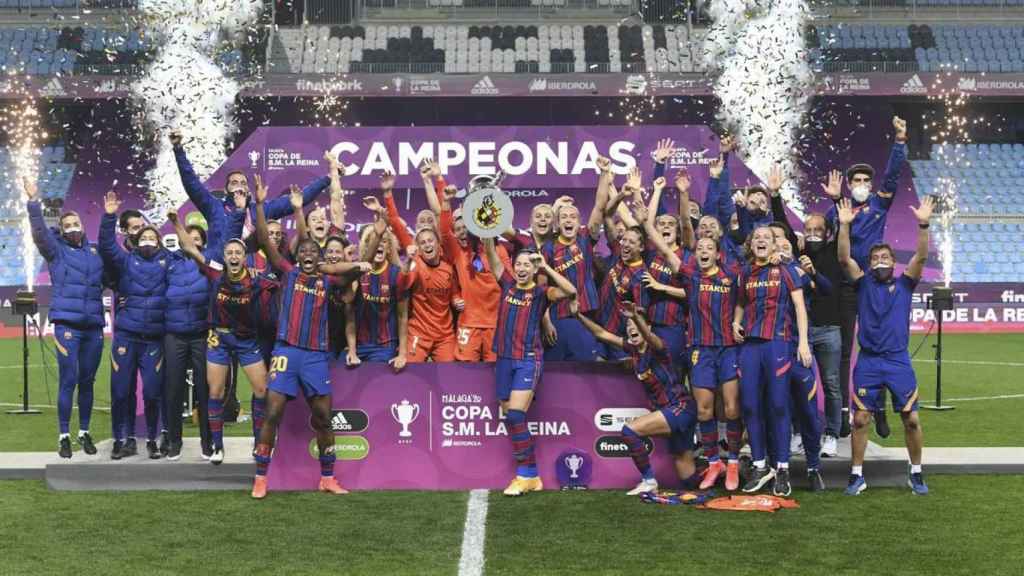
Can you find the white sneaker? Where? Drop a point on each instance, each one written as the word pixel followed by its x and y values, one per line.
pixel 830 447
pixel 796 444
pixel 218 456
pixel 644 486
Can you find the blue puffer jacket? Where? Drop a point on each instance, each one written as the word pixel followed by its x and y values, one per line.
pixel 76 275
pixel 188 290
pixel 188 296
pixel 141 284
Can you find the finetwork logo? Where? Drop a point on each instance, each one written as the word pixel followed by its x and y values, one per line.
pixel 616 447
pixel 913 85
pixel 329 85
pixel 52 88
pixel 484 87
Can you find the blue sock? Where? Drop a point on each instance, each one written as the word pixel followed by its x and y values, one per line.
pixel 522 444
pixel 638 452
pixel 709 439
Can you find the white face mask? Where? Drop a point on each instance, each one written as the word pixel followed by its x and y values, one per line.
pixel 146 243
pixel 71 229
pixel 860 192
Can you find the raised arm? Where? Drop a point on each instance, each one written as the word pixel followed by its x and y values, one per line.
pixel 897 157
pixel 274 257
pixel 497 266
pixel 345 271
pixel 398 228
pixel 666 147
pixel 671 258
pixel 337 194
pixel 849 265
pixel 377 231
pixel 112 253
pixel 599 332
pixel 629 310
pixel 282 206
pixel 185 240
pixel 923 213
pixel 687 237
pixel 558 286
pixel 604 183
pixel 197 192
pixel 41 234
pixel 427 171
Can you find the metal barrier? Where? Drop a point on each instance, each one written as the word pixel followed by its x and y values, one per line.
pixel 518 11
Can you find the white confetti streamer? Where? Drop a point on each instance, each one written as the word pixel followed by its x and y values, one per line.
pixel 184 89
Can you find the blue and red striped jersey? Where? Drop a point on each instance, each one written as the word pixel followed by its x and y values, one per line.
pixel 517 335
pixel 666 310
pixel 377 306
pixel 575 261
pixel 234 303
pixel 268 304
pixel 660 376
pixel 712 302
pixel 767 308
pixel 256 261
pixel 623 282
pixel 302 321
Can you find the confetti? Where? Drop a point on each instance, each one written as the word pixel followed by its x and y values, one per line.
pixel 184 89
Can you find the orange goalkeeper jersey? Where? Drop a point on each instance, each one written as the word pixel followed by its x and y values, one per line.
pixel 479 289
pixel 431 290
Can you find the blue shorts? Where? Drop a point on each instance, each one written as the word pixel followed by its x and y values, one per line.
pixel 682 421
pixel 892 371
pixel 222 345
pixel 376 352
pixel 712 366
pixel 516 375
pixel 293 368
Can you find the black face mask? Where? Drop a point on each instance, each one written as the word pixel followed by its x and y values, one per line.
pixel 814 246
pixel 74 238
pixel 882 273
pixel 148 251
pixel 736 236
pixel 757 213
pixel 694 222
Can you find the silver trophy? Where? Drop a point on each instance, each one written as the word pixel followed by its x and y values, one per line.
pixel 487 211
pixel 405 414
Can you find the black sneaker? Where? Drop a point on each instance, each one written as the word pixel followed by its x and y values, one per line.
pixel 782 487
pixel 153 450
pixel 131 448
pixel 64 447
pixel 174 451
pixel 816 482
pixel 881 424
pixel 117 452
pixel 844 428
pixel 760 477
pixel 85 441
pixel 165 443
pixel 207 452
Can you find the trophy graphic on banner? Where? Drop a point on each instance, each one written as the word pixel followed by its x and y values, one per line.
pixel 405 414
pixel 487 211
pixel 573 468
pixel 574 462
pixel 254 158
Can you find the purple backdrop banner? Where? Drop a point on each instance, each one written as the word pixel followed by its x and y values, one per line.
pixel 454 437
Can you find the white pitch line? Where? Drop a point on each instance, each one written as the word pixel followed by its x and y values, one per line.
pixel 471 563
pixel 48 406
pixel 18 366
pixel 971 362
pixel 974 398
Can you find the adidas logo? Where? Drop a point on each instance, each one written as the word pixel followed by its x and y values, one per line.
pixel 340 423
pixel 913 85
pixel 484 87
pixel 539 85
pixel 52 88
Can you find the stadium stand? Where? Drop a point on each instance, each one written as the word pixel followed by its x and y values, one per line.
pixel 54 180
pixel 891 48
pixel 988 204
pixel 463 48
